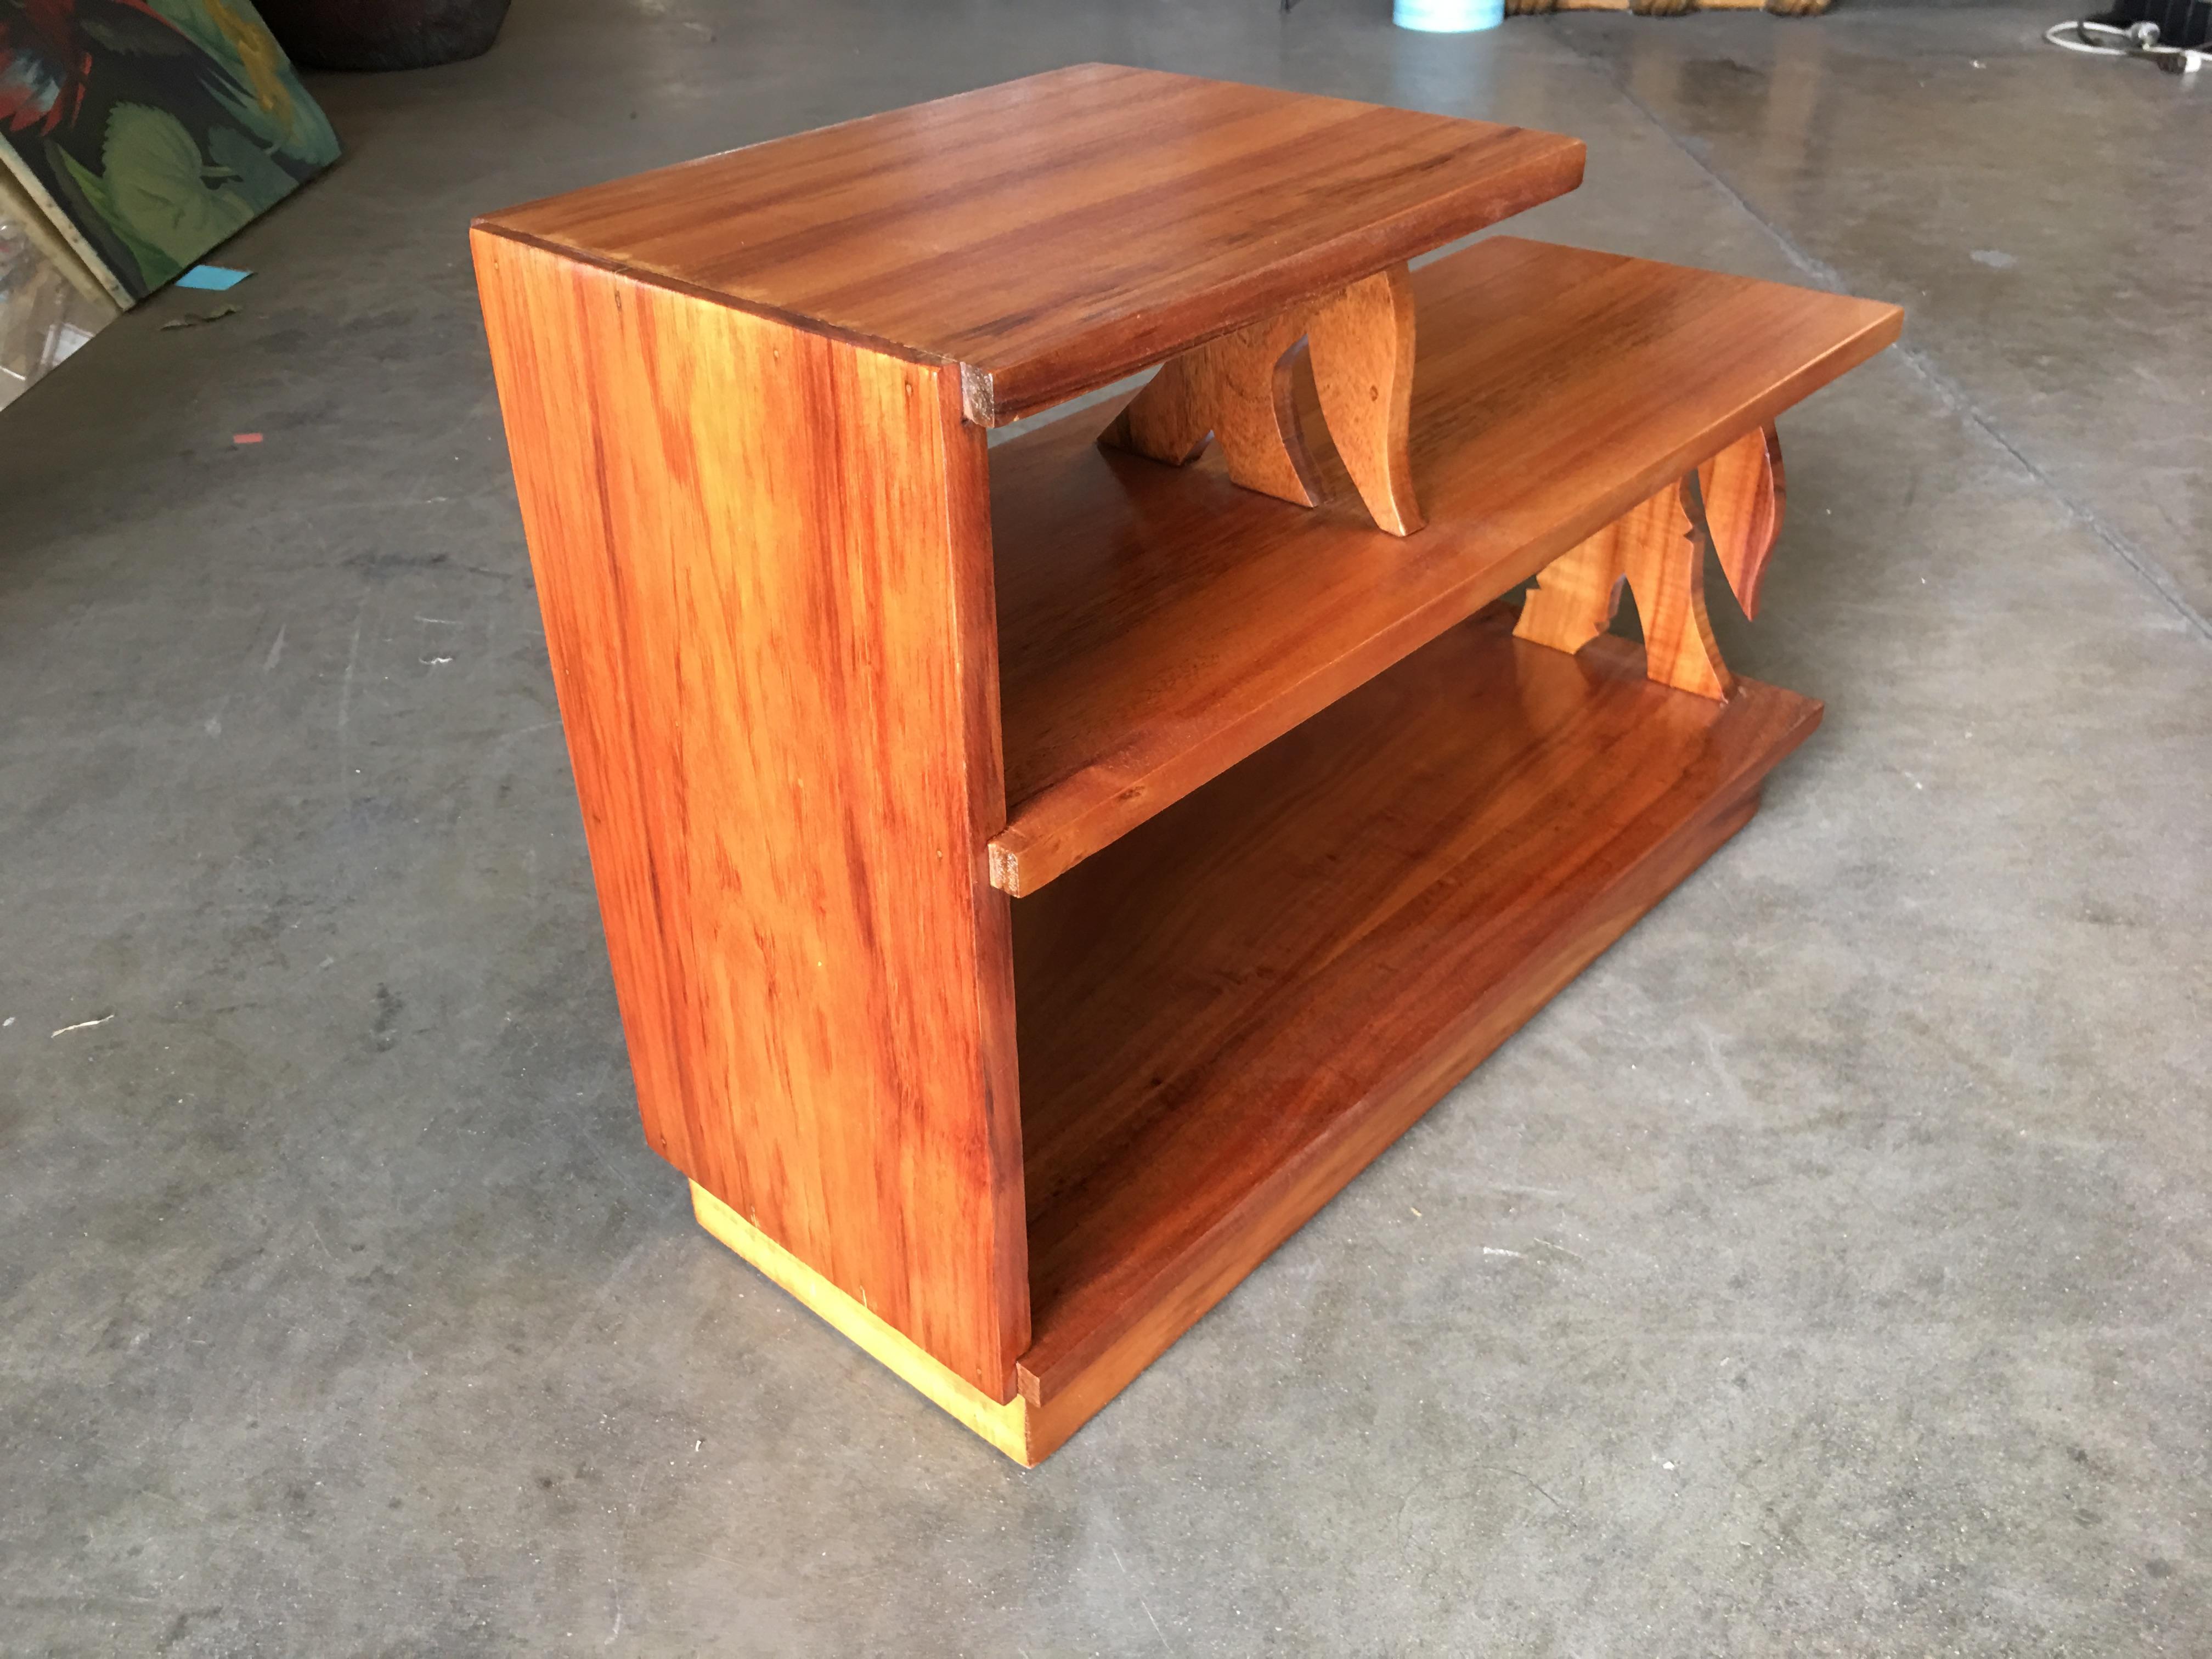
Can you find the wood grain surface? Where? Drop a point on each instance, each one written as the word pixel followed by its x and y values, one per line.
pixel 764 564
pixel 1053 233
pixel 1743 495
pixel 1655 551
pixel 1238 388
pixel 1731 506
pixel 1362 352
pixel 1234 1009
pixel 1157 625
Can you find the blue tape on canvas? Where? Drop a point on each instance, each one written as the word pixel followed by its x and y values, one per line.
pixel 217 278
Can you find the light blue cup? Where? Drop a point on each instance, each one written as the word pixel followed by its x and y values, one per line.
pixel 1447 16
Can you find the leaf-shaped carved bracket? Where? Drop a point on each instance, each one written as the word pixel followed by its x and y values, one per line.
pixel 1238 388
pixel 1732 503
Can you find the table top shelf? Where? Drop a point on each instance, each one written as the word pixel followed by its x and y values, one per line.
pixel 1055 233
pixel 1158 624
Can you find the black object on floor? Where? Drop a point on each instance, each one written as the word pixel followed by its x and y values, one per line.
pixel 383 34
pixel 2180 22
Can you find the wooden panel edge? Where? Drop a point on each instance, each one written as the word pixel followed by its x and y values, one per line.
pixel 489 225
pixel 976 648
pixel 1005 1427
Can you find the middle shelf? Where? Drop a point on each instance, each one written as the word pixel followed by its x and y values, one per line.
pixel 1158 624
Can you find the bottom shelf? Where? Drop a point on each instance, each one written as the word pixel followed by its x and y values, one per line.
pixel 1226 1015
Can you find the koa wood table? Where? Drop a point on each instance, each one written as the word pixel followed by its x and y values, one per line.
pixel 1038 876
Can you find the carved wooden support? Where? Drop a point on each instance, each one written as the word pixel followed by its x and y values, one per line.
pixel 1742 491
pixel 1237 389
pixel 1657 548
pixel 1362 346
pixel 1732 503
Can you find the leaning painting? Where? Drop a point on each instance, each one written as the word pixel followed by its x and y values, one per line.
pixel 50 302
pixel 149 130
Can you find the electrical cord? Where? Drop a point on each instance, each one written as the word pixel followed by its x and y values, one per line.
pixel 2137 40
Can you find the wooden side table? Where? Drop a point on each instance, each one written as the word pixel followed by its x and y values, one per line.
pixel 1038 877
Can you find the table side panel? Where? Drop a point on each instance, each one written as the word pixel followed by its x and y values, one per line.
pixel 764 560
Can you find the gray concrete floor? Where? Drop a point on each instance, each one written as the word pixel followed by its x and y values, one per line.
pixel 1824 1271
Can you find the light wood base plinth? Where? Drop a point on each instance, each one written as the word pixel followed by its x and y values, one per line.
pixel 1006 1426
